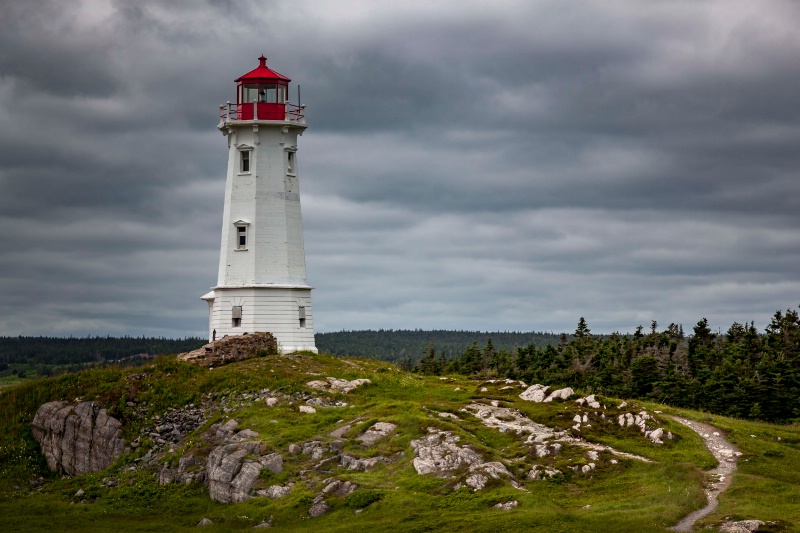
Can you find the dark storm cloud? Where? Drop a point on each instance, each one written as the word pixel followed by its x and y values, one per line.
pixel 512 167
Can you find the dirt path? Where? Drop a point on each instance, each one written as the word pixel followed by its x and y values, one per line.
pixel 727 454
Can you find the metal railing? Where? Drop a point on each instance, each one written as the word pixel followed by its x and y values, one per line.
pixel 229 112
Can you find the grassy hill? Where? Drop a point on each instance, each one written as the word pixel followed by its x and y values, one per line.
pixel 626 495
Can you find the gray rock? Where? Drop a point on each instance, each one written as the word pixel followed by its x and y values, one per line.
pixel 353 463
pixel 377 432
pixel 338 433
pixel 230 474
pixel 742 526
pixel 319 509
pixel 337 385
pixel 294 449
pixel 338 488
pixel 482 472
pixel 506 506
pixel 535 393
pixel 560 394
pixel 438 453
pixel 77 439
pixel 265 524
pixel 246 434
pixel 204 522
pixel 278 491
pixel 272 462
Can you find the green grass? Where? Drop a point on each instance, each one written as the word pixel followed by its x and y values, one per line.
pixel 629 496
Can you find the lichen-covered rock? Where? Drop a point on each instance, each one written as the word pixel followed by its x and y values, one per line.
pixel 354 463
pixel 272 462
pixel 535 393
pixel 560 394
pixel 481 473
pixel 231 349
pixel 231 474
pixel 277 491
pixel 77 439
pixel 589 401
pixel 337 385
pixel 742 526
pixel 380 430
pixel 438 452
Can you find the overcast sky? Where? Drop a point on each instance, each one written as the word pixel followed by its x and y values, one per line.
pixel 504 165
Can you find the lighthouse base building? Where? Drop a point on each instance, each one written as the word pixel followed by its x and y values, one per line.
pixel 261 284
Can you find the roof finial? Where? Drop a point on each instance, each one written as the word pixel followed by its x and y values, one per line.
pixel 262 60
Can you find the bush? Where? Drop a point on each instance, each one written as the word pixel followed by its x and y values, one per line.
pixel 363 498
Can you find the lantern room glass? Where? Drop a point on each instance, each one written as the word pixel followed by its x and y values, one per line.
pixel 265 93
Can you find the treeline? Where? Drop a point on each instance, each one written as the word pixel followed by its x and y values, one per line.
pixel 74 350
pixel 406 347
pixel 741 373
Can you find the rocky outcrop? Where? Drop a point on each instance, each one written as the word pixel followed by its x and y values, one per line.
pixel 540 436
pixel 77 439
pixel 231 472
pixel 337 385
pixel 438 453
pixel 231 349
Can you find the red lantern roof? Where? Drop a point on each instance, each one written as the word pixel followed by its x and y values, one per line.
pixel 263 73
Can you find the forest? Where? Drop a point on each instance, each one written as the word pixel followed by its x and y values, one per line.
pixel 406 346
pixel 74 350
pixel 742 373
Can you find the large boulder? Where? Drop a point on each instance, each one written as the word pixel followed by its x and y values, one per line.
pixel 77 439
pixel 535 393
pixel 231 349
pixel 231 472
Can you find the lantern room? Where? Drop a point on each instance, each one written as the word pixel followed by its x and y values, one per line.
pixel 262 94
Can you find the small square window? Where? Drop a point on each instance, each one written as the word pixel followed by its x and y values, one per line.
pixel 245 161
pixel 236 316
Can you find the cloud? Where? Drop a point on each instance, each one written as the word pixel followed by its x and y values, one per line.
pixel 470 167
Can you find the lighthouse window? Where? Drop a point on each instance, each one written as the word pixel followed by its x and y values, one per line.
pixel 290 162
pixel 241 237
pixel 302 312
pixel 236 316
pixel 250 94
pixel 264 93
pixel 245 161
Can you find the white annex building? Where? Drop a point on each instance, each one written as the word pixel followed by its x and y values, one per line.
pixel 262 268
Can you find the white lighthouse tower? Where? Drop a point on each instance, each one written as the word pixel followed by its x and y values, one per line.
pixel 262 268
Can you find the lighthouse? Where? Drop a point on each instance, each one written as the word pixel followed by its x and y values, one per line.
pixel 261 284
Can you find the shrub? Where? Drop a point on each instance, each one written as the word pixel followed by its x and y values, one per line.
pixel 363 498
